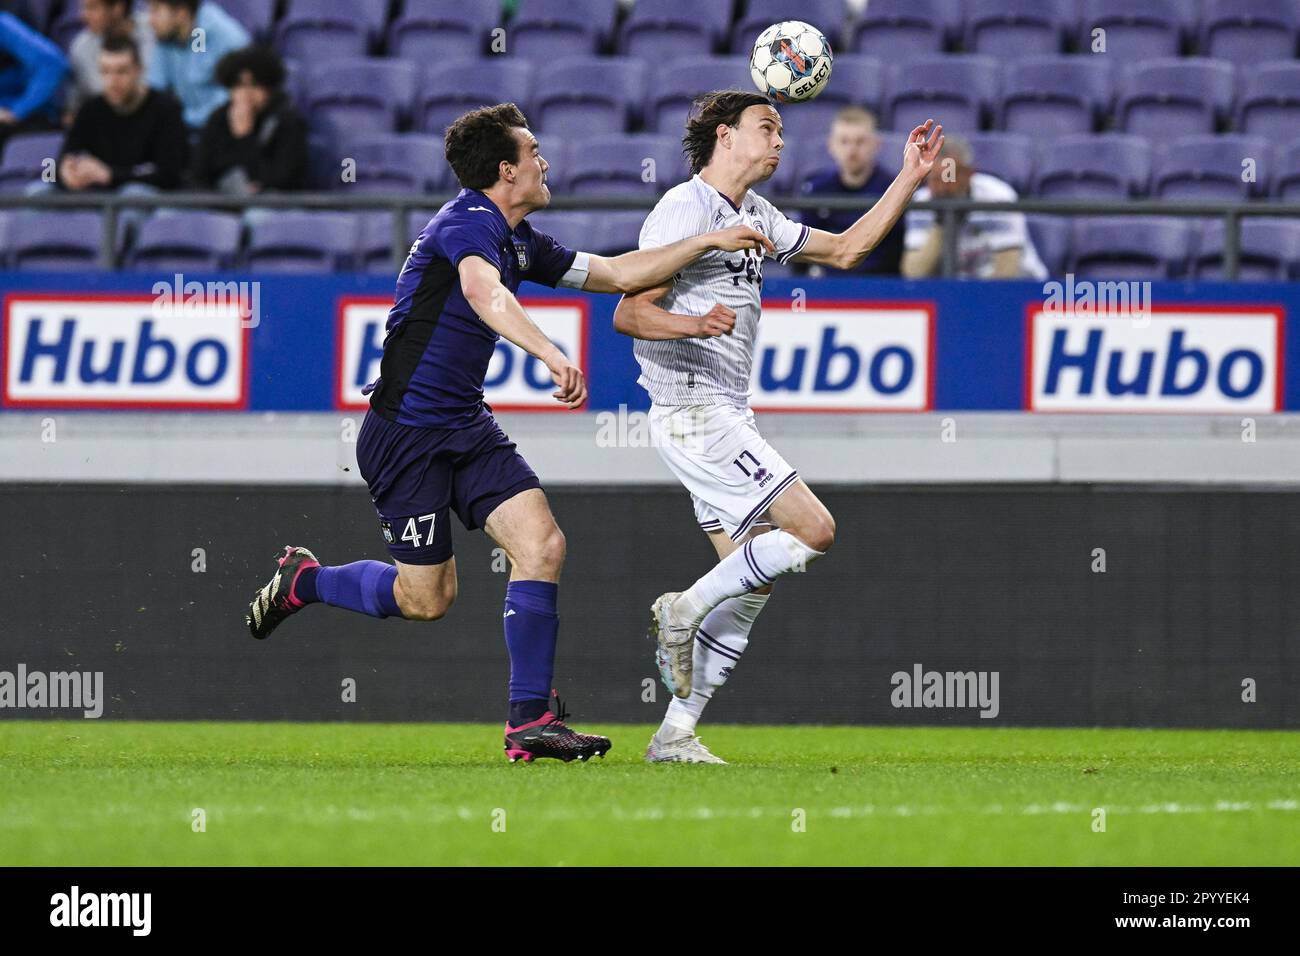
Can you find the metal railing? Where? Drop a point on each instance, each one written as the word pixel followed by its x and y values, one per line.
pixel 951 212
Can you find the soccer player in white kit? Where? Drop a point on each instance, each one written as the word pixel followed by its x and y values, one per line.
pixel 695 341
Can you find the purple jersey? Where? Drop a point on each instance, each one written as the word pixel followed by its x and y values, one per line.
pixel 437 349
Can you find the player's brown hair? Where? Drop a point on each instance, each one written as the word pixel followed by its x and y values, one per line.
pixel 710 111
pixel 478 142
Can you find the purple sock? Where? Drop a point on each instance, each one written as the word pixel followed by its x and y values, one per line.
pixel 532 626
pixel 364 586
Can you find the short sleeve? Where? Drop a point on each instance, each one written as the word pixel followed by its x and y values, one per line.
pixel 788 237
pixel 469 233
pixel 553 264
pixel 670 222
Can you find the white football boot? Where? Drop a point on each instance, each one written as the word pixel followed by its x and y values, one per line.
pixel 687 749
pixel 676 640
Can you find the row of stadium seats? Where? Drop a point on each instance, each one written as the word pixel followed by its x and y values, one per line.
pixel 1113 247
pixel 1243 31
pixel 1105 166
pixel 1037 95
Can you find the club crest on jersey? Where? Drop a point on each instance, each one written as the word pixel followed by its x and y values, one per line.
pixel 387 528
pixel 762 475
pixel 521 253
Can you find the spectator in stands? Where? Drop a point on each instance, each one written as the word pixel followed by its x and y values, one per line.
pixel 991 245
pixel 102 18
pixel 257 142
pixel 853 146
pixel 32 69
pixel 192 38
pixel 129 135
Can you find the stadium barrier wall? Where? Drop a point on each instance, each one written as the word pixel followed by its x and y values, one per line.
pixel 308 344
pixel 1065 605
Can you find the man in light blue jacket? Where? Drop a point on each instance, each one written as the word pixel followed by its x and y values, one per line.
pixel 31 71
pixel 192 37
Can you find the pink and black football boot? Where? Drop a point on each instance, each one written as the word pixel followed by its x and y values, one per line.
pixel 549 736
pixel 275 601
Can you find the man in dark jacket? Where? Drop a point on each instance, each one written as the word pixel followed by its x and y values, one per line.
pixel 129 134
pixel 257 142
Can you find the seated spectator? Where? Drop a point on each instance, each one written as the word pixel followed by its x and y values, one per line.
pixel 100 18
pixel 192 37
pixel 853 146
pixel 32 69
pixel 129 135
pixel 257 142
pixel 991 245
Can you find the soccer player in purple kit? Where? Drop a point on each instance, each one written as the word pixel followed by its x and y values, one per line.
pixel 429 444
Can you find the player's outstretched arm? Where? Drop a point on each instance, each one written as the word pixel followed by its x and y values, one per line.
pixel 480 283
pixel 644 268
pixel 640 316
pixel 846 249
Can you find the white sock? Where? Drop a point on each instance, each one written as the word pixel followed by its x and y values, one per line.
pixel 759 562
pixel 722 638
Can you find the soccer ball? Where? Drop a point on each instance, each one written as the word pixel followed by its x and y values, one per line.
pixel 791 61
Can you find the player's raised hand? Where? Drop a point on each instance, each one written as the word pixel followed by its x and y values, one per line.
pixel 735 238
pixel 571 384
pixel 719 320
pixel 922 149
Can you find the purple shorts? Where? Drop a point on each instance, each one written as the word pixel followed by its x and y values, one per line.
pixel 415 475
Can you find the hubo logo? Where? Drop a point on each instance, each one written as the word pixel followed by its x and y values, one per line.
pixel 844 357
pixel 953 689
pixel 123 350
pixel 75 908
pixel 515 380
pixel 37 690
pixel 1189 358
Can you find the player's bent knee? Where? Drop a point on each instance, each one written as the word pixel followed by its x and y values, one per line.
pixel 817 534
pixel 544 557
pixel 429 607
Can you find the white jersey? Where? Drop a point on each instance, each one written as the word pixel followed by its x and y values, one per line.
pixel 985 233
pixel 715 370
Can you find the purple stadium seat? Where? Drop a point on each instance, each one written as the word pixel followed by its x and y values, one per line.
pixel 431 31
pixel 616 164
pixel 372 14
pixel 1051 238
pixel 661 30
pixel 1210 168
pixel 66 241
pixel 366 95
pixel 1134 31
pixel 855 80
pixel 1270 99
pixel 1056 95
pixel 572 228
pixel 1008 156
pixel 399 162
pixel 669 100
pixel 23 160
pixel 585 96
pixel 479 83
pixel 292 241
pixel 321 36
pixel 900 28
pixel 1286 177
pixel 1016 28
pixel 616 231
pixel 416 220
pixel 37 13
pixel 185 239
pixel 544 30
pixel 955 90
pixel 1246 32
pixel 1269 250
pixel 256 15
pixel 1131 247
pixel 1108 166
pixel 829 16
pixel 1161 99
pixel 374 252
pixel 5 217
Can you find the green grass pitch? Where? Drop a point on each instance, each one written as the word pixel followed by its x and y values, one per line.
pixel 88 793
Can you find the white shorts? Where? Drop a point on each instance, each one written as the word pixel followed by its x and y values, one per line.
pixel 731 471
